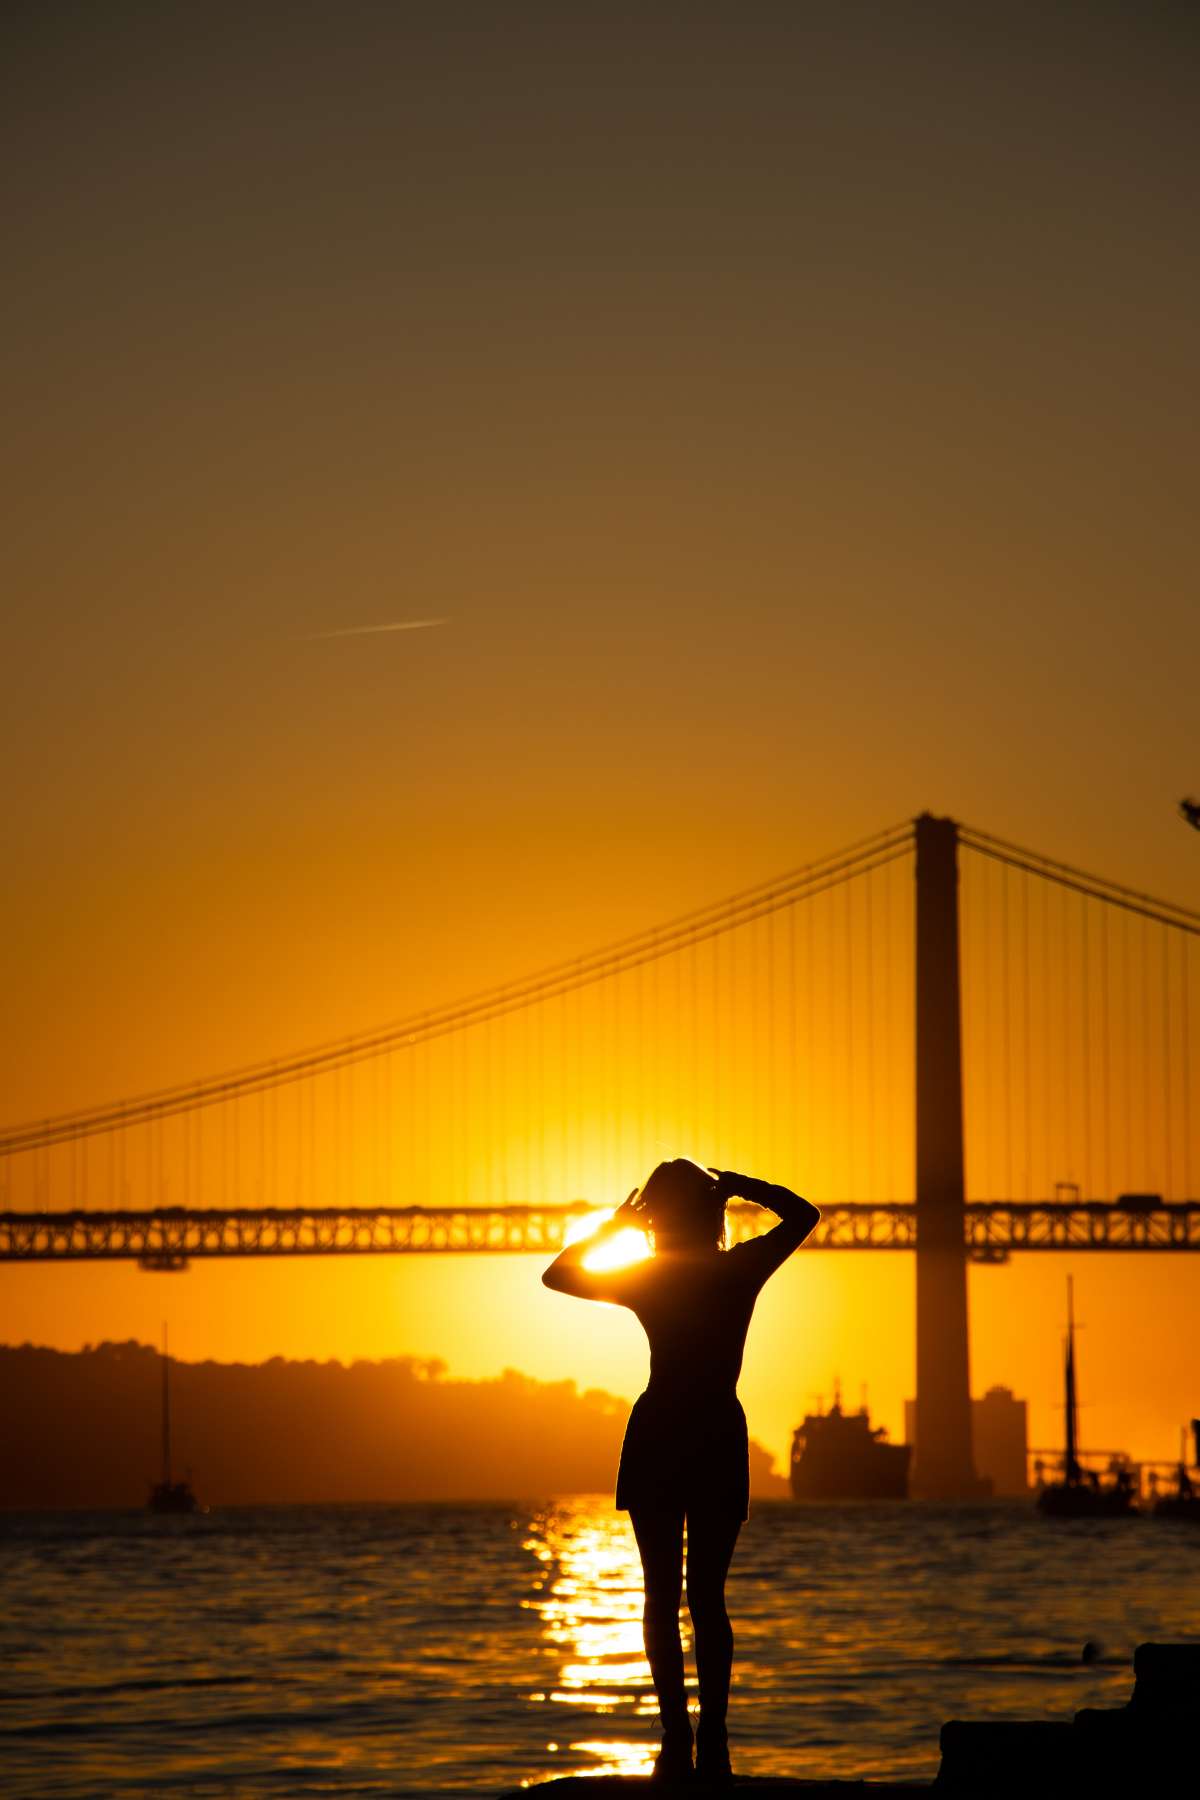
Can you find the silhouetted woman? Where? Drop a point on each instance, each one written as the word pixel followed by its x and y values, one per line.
pixel 685 1452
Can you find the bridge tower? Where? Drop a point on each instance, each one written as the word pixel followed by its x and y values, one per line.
pixel 943 1465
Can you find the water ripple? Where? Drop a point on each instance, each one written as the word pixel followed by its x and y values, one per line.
pixel 421 1650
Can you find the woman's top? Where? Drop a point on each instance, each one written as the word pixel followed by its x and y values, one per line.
pixel 685 1448
pixel 696 1309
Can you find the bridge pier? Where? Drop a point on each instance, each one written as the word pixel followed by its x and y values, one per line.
pixel 944 1466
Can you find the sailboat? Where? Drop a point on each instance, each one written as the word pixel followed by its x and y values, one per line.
pixel 167 1496
pixel 1081 1494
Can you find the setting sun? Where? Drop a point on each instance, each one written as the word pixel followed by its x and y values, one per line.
pixel 627 1247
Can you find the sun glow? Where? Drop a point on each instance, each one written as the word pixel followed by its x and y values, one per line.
pixel 627 1247
pixel 586 1223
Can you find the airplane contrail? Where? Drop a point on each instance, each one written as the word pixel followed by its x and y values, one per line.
pixel 370 630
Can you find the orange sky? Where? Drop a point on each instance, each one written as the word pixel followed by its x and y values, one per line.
pixel 792 414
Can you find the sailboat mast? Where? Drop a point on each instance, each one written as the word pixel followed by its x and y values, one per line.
pixel 1072 1457
pixel 166 1415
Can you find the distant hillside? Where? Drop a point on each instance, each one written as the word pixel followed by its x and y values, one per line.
pixel 83 1430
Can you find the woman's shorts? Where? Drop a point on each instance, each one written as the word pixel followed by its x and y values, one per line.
pixel 685 1458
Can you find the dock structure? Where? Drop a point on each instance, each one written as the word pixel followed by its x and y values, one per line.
pixel 1144 1747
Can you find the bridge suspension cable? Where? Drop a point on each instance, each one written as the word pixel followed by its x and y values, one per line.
pixel 1095 887
pixel 770 1030
pixel 1080 1028
pixel 626 954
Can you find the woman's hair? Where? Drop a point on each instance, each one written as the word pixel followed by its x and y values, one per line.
pixel 683 1207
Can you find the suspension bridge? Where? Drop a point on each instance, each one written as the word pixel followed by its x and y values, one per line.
pixel 957 1047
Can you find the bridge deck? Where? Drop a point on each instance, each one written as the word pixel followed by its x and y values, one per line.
pixel 169 1238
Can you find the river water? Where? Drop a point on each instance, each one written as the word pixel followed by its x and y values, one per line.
pixel 420 1650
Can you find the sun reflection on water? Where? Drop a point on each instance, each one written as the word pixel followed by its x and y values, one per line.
pixel 589 1601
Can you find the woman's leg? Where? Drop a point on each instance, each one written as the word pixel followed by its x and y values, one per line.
pixel 659 1534
pixel 711 1537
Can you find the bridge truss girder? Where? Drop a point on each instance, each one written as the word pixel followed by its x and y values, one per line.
pixel 169 1238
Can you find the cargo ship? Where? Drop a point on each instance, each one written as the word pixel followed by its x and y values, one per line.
pixel 838 1455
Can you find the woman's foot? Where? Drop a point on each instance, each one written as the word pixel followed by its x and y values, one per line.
pixel 673 1763
pixel 712 1755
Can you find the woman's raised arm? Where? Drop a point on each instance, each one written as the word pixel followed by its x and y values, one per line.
pixel 797 1218
pixel 567 1275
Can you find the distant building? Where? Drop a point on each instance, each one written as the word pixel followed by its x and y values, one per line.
pixel 999 1436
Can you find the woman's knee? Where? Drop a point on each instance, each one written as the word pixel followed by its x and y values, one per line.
pixel 661 1604
pixel 706 1603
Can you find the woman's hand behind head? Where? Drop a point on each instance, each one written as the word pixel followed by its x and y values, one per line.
pixel 630 1210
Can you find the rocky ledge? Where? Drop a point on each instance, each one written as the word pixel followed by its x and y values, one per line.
pixel 1147 1746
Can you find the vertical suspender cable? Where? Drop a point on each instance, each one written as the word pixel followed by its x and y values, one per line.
pixel 487 1161
pixel 729 1083
pixel 562 1179
pixel 1068 1084
pixel 1167 1082
pixel 1027 1043
pixel 1105 1054
pixel 1189 1119
pixel 611 1093
pixel 1144 1012
pixel 746 1001
pixel 1127 1037
pixel 373 1074
pixel 540 1102
pixel 1006 972
pixel 522 1112
pixel 1085 1009
pixel 687 1124
pixel 648 1055
pixel 502 1123
pixel 987 1062
pixel 810 1061
pixel 850 1129
pixel 683 1127
pixel 793 1098
pixel 581 1115
pixel 390 1130
pixel 718 1084
pixel 352 1185
pixel 771 1007
pixel 869 1034
pixel 1048 1060
pixel 892 1188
